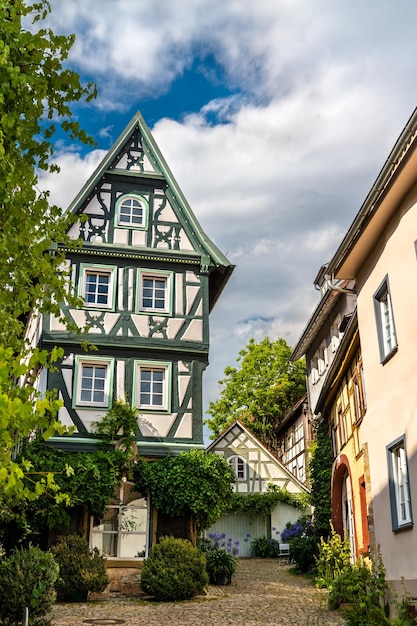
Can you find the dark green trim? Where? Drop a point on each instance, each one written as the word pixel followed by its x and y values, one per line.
pixel 152 344
pixel 145 449
pixel 56 381
pixel 148 254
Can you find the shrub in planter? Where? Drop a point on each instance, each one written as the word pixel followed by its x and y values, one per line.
pixel 264 547
pixel 27 580
pixel 80 569
pixel 220 565
pixel 364 586
pixel 174 570
pixel 221 558
pixel 349 585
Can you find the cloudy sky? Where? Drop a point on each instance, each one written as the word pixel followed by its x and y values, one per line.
pixel 275 117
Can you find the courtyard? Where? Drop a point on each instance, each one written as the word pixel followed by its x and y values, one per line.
pixel 262 592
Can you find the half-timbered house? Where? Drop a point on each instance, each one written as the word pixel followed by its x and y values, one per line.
pixel 148 276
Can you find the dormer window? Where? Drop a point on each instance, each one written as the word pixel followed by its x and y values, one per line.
pixel 132 211
pixel 238 465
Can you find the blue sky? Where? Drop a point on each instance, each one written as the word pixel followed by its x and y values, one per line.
pixel 274 116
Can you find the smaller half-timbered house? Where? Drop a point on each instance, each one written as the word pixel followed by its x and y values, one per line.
pixel 256 468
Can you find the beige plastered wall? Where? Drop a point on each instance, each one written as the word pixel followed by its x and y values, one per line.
pixel 391 388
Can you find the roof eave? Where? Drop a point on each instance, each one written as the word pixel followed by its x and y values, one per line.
pixel 315 322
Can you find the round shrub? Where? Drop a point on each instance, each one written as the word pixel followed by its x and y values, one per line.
pixel 174 570
pixel 80 569
pixel 27 580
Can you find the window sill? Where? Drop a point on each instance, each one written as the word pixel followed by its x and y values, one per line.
pixel 389 355
pixel 406 526
pixel 92 407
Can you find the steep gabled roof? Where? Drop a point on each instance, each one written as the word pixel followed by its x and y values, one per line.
pixel 212 446
pixel 151 166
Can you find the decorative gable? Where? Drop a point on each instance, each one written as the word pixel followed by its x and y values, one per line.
pixel 133 201
pixel 261 467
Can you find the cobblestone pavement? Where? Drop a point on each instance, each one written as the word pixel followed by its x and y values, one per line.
pixel 263 592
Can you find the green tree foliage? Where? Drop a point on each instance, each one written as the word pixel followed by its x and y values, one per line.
pixel 87 480
pixel 195 482
pixel 36 90
pixel 20 414
pixel 260 390
pixel 254 504
pixel 35 96
pixel 321 476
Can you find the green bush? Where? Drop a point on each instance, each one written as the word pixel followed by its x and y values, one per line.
pixel 174 570
pixel 333 558
pixel 27 580
pixel 349 585
pixel 264 547
pixel 80 569
pixel 220 566
pixel 364 586
pixel 304 543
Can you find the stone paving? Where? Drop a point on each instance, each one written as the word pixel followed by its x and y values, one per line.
pixel 262 592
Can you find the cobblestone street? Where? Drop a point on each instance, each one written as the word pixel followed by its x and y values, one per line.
pixel 263 592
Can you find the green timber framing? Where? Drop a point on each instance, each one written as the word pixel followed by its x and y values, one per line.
pixel 149 276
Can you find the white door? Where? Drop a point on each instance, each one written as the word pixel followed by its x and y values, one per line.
pixel 347 508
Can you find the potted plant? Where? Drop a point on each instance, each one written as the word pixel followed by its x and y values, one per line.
pixel 221 558
pixel 80 569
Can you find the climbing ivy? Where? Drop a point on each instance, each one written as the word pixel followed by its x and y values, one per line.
pixel 195 482
pixel 321 475
pixel 86 480
pixel 264 503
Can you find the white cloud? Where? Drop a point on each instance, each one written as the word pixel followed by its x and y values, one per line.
pixel 324 89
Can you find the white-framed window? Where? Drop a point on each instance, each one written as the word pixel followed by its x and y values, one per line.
pixel 93 381
pixel 314 374
pixel 122 532
pixel 238 465
pixel 152 386
pixel 399 487
pixel 385 321
pixel 154 295
pixel 322 359
pixel 132 211
pixel 359 393
pixel 97 285
pixel 335 334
